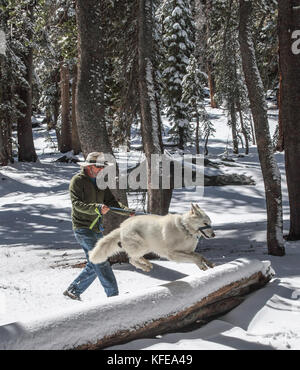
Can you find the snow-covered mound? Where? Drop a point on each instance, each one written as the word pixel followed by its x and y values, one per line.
pixel 91 322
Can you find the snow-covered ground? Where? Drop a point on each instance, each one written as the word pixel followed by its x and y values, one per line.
pixel 39 255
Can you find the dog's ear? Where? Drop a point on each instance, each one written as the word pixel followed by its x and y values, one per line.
pixel 193 209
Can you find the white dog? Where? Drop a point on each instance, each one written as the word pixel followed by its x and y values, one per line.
pixel 173 236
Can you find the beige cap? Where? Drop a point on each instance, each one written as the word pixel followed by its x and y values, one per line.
pixel 96 159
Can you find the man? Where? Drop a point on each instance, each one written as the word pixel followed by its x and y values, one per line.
pixel 89 204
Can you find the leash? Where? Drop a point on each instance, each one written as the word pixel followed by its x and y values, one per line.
pixel 126 212
pixel 96 219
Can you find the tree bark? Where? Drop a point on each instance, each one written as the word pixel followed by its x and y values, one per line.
pixel 5 114
pixel 26 151
pixel 270 171
pixel 280 141
pixel 252 130
pixel 212 86
pixel 158 199
pixel 90 108
pixel 197 138
pixel 65 144
pixel 209 65
pixel 75 137
pixel 243 128
pixel 233 123
pixel 5 98
pixel 289 22
pixel 90 88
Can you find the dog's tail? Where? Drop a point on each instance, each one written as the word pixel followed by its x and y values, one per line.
pixel 105 247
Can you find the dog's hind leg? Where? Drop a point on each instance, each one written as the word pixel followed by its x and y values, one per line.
pixel 192 257
pixel 146 262
pixel 135 246
pixel 141 263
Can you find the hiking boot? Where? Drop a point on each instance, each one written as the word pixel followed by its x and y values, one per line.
pixel 71 294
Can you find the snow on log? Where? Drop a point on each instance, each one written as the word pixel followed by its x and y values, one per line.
pixel 130 316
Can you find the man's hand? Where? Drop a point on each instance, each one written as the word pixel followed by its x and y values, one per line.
pixel 104 209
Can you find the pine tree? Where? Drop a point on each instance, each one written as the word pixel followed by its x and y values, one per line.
pixel 21 23
pixel 178 31
pixel 56 59
pixel 223 51
pixel 6 80
pixel 121 69
pixel 193 94
pixel 202 15
pixel 265 18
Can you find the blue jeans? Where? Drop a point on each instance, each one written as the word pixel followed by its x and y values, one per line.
pixel 87 239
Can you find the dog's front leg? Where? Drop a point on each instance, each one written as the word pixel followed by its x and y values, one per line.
pixel 192 257
pixel 208 263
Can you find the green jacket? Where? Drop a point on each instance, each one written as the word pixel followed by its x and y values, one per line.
pixel 86 198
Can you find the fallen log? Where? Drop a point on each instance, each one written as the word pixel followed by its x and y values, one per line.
pixel 163 308
pixel 210 307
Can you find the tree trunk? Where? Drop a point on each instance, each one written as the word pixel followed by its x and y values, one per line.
pixel 75 137
pixel 56 108
pixel 5 114
pixel 280 141
pixel 90 87
pixel 212 86
pixel 65 137
pixel 244 131
pixel 270 171
pixel 26 148
pixel 197 132
pixel 206 144
pixel 25 138
pixel 5 98
pixel 252 130
pixel 90 109
pixel 233 123
pixel 289 22
pixel 210 74
pixel 158 199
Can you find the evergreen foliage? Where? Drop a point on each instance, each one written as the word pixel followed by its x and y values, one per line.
pixel 223 49
pixel 178 77
pixel 178 32
pixel 193 95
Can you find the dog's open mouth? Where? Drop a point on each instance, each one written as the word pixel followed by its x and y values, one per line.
pixel 202 228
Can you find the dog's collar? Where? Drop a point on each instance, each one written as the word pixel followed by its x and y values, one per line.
pixel 187 231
